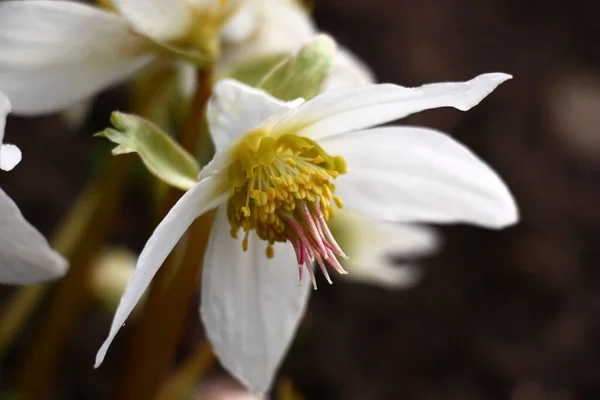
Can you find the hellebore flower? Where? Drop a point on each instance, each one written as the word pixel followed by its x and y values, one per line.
pixel 25 256
pixel 280 172
pixel 54 54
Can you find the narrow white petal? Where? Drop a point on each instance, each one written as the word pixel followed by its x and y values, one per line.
pixel 157 19
pixel 251 305
pixel 235 109
pixel 195 202
pixel 414 174
pixel 371 245
pixel 10 156
pixel 25 255
pixel 56 53
pixel 348 70
pixel 359 107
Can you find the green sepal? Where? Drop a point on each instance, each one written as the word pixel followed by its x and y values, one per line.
pixel 303 74
pixel 163 157
pixel 251 72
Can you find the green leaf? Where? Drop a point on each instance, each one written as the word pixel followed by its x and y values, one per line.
pixel 166 159
pixel 304 74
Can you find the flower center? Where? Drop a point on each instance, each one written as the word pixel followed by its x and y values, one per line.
pixel 282 188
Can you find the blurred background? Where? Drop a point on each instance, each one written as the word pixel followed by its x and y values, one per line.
pixel 512 314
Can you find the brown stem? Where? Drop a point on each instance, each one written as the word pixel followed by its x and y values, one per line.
pixel 157 332
pixel 40 364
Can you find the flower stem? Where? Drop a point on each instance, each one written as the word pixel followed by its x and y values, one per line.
pixel 157 333
pixel 102 198
pixel 17 313
pixel 183 380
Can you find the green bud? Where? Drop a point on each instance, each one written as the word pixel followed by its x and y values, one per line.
pixel 303 74
pixel 163 157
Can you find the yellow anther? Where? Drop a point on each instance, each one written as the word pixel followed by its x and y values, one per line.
pixel 270 251
pixel 338 201
pixel 273 179
pixel 245 243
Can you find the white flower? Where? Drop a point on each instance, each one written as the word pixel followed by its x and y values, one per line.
pixel 25 256
pixel 54 54
pixel 273 176
pixel 278 27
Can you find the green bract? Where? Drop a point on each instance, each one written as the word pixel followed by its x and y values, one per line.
pixel 303 74
pixel 162 155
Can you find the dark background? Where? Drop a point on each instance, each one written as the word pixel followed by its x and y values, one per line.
pixel 512 314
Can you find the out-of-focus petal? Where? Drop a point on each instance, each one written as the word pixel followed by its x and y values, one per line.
pixel 10 155
pixel 348 70
pixel 54 54
pixel 372 244
pixel 251 305
pixel 414 174
pixel 161 20
pixel 195 202
pixel 25 255
pixel 358 107
pixel 281 26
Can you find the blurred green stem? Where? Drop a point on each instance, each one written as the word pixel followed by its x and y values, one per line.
pixel 17 313
pixel 183 380
pixel 81 241
pixel 158 331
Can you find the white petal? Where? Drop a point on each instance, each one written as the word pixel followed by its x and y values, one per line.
pixel 25 255
pixel 10 156
pixel 241 24
pixel 157 19
pixel 235 109
pixel 5 108
pixel 281 27
pixel 195 202
pixel 359 107
pixel 414 174
pixel 56 53
pixel 370 245
pixel 251 305
pixel 348 70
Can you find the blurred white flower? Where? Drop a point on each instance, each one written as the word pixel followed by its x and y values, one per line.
pixel 25 256
pixel 278 27
pixel 273 177
pixel 112 268
pixel 54 54
pixel 371 245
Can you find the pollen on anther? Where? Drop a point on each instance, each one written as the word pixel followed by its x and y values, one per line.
pixel 270 251
pixel 245 243
pixel 338 201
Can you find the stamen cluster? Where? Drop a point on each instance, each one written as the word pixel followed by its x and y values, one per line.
pixel 282 188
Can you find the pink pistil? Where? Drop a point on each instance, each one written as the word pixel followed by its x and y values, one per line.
pixel 317 238
pixel 328 235
pixel 323 269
